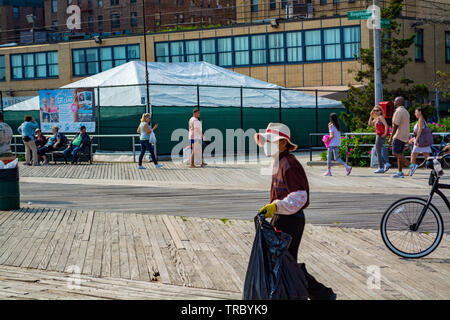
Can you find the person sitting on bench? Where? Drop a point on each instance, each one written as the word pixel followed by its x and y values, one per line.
pixel 81 140
pixel 53 143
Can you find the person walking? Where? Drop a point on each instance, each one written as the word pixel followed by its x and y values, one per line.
pixel 6 135
pixel 289 196
pixel 381 130
pixel 145 131
pixel 418 132
pixel 400 134
pixel 196 138
pixel 27 130
pixel 334 142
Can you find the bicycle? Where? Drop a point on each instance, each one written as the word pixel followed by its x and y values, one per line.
pixel 412 227
pixel 439 152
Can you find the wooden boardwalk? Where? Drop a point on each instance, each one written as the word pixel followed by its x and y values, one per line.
pixel 156 257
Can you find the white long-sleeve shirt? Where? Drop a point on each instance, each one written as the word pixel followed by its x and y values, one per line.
pixel 292 203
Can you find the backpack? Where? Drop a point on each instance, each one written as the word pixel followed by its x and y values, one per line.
pixel 64 140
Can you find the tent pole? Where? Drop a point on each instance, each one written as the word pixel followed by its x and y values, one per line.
pixel 279 102
pixel 242 109
pixel 99 123
pixel 147 105
pixel 198 97
pixel 317 116
pixel 1 101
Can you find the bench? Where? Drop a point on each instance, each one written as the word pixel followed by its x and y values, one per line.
pixel 86 152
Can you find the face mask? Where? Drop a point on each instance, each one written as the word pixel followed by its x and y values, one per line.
pixel 270 149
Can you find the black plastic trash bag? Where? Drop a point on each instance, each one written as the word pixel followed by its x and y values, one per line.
pixel 272 272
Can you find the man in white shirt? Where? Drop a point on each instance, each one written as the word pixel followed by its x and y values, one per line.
pixel 6 135
pixel 196 138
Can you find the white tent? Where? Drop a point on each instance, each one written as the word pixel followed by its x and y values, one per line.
pixel 185 77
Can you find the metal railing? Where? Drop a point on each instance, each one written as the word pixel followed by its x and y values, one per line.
pixel 347 134
pixel 17 142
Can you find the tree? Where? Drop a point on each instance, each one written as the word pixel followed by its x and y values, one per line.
pixel 443 83
pixel 394 57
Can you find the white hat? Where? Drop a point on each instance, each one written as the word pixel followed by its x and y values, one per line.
pixel 275 132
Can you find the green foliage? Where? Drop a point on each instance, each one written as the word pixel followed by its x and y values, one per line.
pixel 394 57
pixel 443 83
pixel 21 157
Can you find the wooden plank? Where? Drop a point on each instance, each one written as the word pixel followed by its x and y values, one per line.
pixel 173 233
pixel 134 268
pixel 72 260
pixel 88 227
pixel 89 257
pixel 99 241
pixel 150 262
pixel 58 249
pixel 123 249
pixel 62 261
pixel 115 257
pixel 106 260
pixel 139 247
pixel 161 266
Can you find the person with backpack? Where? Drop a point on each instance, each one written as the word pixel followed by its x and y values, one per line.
pixel 381 130
pixel 53 143
pixel 422 140
pixel 27 130
pixel 334 142
pixel 289 196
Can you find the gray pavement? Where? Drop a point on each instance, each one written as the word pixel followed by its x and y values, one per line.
pixel 357 210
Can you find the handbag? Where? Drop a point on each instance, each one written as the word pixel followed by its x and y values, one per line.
pixel 152 138
pixel 426 137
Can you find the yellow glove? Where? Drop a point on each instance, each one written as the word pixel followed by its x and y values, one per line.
pixel 270 209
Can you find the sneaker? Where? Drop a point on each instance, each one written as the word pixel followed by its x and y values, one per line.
pixel 348 170
pixel 386 167
pixel 159 166
pixel 412 169
pixel 327 174
pixel 398 175
pixel 142 167
pixel 380 170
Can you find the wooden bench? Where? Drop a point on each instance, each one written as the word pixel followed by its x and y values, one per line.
pixel 86 151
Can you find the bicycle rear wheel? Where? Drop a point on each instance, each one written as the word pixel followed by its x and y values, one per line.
pixel 397 233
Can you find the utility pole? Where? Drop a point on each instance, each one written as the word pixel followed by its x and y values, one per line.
pixel 376 16
pixel 147 105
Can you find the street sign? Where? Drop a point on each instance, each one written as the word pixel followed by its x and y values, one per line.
pixel 385 23
pixel 359 15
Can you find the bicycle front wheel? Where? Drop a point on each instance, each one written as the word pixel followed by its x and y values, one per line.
pixel 397 228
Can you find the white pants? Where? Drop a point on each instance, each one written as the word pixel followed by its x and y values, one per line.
pixel 30 146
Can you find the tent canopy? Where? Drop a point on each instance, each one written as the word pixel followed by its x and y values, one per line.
pixel 183 79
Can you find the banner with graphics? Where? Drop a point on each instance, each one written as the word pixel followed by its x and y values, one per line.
pixel 69 109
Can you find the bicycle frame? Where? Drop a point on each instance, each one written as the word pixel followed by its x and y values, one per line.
pixel 434 189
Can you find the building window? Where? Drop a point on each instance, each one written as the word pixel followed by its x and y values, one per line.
pixel 273 4
pixel 332 43
pixel 100 23
pixel 114 2
pixel 192 51
pixel 115 20
pixel 2 68
pixel 259 53
pixel 54 6
pixel 162 52
pixel 91 61
pixel 284 3
pixel 177 51
pixel 134 20
pixel 323 2
pixel 241 54
pixel 225 52
pixel 39 65
pixel 352 42
pixel 294 46
pixel 209 51
pixel 276 47
pixel 447 47
pixel 418 45
pixel 254 5
pixel 91 23
pixel 16 13
pixel 55 25
pixel 313 48
pixel 100 3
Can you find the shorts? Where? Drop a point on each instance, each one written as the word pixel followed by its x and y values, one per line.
pixel 398 146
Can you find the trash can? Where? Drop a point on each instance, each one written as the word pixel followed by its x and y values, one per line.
pixel 9 189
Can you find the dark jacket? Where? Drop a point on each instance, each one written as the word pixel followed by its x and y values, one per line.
pixel 85 139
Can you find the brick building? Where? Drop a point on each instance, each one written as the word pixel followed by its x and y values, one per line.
pixel 13 19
